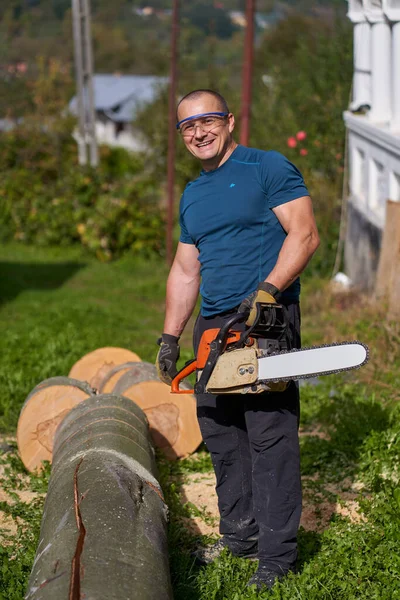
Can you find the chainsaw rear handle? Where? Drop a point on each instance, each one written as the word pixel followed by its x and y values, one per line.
pixel 216 348
pixel 187 370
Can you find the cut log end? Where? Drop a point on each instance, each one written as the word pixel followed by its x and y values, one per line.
pixel 172 418
pixel 95 366
pixel 45 408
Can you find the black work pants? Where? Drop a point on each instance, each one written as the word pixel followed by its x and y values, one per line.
pixel 254 446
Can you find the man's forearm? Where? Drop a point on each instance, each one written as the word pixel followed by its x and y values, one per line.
pixel 293 258
pixel 182 293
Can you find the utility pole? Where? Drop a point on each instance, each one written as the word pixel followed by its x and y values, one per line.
pixel 172 129
pixel 247 73
pixel 84 82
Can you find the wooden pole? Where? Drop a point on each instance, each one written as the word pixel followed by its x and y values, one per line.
pixel 247 73
pixel 389 252
pixel 172 130
pixel 103 532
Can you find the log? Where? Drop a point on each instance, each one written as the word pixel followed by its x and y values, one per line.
pixel 110 380
pixel 96 365
pixel 44 409
pixel 103 532
pixel 173 422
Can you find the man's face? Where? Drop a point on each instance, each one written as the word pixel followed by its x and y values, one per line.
pixel 208 146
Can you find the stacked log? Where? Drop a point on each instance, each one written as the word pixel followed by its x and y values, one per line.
pixel 111 379
pixel 96 365
pixel 103 533
pixel 43 410
pixel 173 422
pixel 172 417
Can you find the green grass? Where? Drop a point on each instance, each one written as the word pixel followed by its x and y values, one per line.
pixel 57 305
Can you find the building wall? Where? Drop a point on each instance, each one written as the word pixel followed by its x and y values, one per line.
pixel 121 135
pixel 373 127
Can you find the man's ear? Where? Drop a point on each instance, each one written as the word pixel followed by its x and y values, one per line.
pixel 231 122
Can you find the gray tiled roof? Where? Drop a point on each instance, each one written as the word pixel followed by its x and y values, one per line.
pixel 119 95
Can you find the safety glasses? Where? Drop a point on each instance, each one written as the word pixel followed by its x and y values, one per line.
pixel 206 121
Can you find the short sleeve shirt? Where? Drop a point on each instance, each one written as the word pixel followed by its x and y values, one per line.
pixel 227 214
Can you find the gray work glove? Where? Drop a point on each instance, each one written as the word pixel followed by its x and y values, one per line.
pixel 167 357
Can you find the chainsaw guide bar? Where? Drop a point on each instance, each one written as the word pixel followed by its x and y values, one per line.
pixel 362 354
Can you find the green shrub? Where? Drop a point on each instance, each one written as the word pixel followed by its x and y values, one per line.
pixel 47 199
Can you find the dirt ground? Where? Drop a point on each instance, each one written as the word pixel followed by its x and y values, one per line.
pixel 8 526
pixel 318 509
pixel 320 502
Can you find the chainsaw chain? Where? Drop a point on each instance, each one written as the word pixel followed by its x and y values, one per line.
pixel 263 354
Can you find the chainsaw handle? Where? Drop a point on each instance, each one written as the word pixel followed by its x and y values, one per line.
pixel 182 374
pixel 216 349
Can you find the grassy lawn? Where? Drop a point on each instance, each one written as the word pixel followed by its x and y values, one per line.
pixel 57 305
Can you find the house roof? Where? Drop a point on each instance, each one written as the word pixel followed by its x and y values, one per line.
pixel 119 96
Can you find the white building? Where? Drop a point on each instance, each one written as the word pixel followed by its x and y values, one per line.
pixel 373 125
pixel 117 99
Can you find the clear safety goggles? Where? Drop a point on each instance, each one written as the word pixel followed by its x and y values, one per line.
pixel 206 121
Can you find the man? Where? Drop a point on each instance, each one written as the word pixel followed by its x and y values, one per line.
pixel 247 231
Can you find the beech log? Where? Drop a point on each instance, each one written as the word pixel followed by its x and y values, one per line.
pixel 111 379
pixel 172 417
pixel 43 410
pixel 103 532
pixel 96 365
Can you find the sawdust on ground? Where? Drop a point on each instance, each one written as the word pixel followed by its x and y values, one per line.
pixel 320 502
pixel 9 525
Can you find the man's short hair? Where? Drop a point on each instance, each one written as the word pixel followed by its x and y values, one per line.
pixel 223 105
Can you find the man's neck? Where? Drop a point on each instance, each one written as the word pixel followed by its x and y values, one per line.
pixel 214 163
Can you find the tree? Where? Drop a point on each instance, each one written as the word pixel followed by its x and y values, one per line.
pixel 210 19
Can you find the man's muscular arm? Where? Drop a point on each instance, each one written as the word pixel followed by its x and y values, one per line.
pixel 182 289
pixel 297 219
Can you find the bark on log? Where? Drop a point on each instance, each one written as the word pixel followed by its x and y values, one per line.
pixel 96 365
pixel 173 422
pixel 111 379
pixel 44 409
pixel 103 533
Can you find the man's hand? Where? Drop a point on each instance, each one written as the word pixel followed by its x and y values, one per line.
pixel 265 292
pixel 167 357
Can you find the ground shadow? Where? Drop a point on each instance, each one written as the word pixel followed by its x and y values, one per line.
pixel 18 277
pixel 347 420
pixel 309 544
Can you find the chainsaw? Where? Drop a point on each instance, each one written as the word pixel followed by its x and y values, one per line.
pixel 261 358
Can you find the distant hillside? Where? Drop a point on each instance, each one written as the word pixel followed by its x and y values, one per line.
pixel 132 35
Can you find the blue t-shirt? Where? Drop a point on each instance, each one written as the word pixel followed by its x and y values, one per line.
pixel 227 214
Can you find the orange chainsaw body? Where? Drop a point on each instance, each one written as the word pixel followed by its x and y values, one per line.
pixel 202 355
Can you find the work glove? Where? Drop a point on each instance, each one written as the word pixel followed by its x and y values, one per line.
pixel 167 357
pixel 265 292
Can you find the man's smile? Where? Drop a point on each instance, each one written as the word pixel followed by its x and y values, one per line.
pixel 206 143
